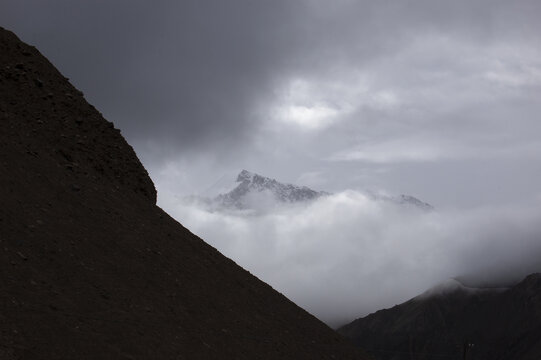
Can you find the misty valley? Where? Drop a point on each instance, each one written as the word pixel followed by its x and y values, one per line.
pixel 446 306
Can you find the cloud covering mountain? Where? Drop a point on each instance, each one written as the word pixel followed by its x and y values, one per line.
pixel 350 253
pixel 252 192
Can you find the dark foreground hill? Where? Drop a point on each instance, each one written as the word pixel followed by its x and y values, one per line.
pixel 91 268
pixel 457 323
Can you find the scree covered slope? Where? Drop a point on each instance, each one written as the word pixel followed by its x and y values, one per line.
pixel 91 268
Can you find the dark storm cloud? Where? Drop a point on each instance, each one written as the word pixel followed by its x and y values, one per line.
pixel 189 74
pixel 185 73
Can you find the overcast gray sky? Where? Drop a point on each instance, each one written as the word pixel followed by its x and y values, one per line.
pixel 437 99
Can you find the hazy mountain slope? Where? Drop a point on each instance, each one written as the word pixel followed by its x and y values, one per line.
pixel 91 268
pixel 499 324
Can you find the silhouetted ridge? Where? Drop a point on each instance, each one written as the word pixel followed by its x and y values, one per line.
pixel 60 124
pixel 91 268
pixel 499 323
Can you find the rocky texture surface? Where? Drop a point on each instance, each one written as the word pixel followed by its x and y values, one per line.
pixel 251 183
pixel 456 322
pixel 91 268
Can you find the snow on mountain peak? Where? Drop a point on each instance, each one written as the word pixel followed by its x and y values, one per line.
pixel 252 185
pixel 245 175
pixel 251 191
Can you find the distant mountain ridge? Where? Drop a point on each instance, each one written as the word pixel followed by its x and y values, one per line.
pixel 251 188
pixel 406 200
pixel 250 183
pixel 457 322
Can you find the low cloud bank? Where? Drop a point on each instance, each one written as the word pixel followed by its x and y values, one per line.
pixel 346 255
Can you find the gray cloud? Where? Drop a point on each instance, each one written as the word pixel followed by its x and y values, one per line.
pixel 187 75
pixel 184 74
pixel 347 255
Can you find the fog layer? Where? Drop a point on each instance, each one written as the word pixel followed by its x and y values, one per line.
pixel 348 254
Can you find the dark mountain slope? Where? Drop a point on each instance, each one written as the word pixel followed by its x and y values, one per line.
pixel 499 324
pixel 91 268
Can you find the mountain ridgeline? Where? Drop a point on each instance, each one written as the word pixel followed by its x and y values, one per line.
pixel 253 191
pixel 91 268
pixel 250 183
pixel 452 321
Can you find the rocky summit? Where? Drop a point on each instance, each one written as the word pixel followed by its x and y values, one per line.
pixel 91 268
pixel 251 183
pixel 252 191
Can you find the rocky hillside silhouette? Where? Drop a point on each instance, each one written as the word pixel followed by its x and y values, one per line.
pixel 457 323
pixel 91 268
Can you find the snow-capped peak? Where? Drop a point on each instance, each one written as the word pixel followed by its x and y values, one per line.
pixel 251 191
pixel 252 185
pixel 245 175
